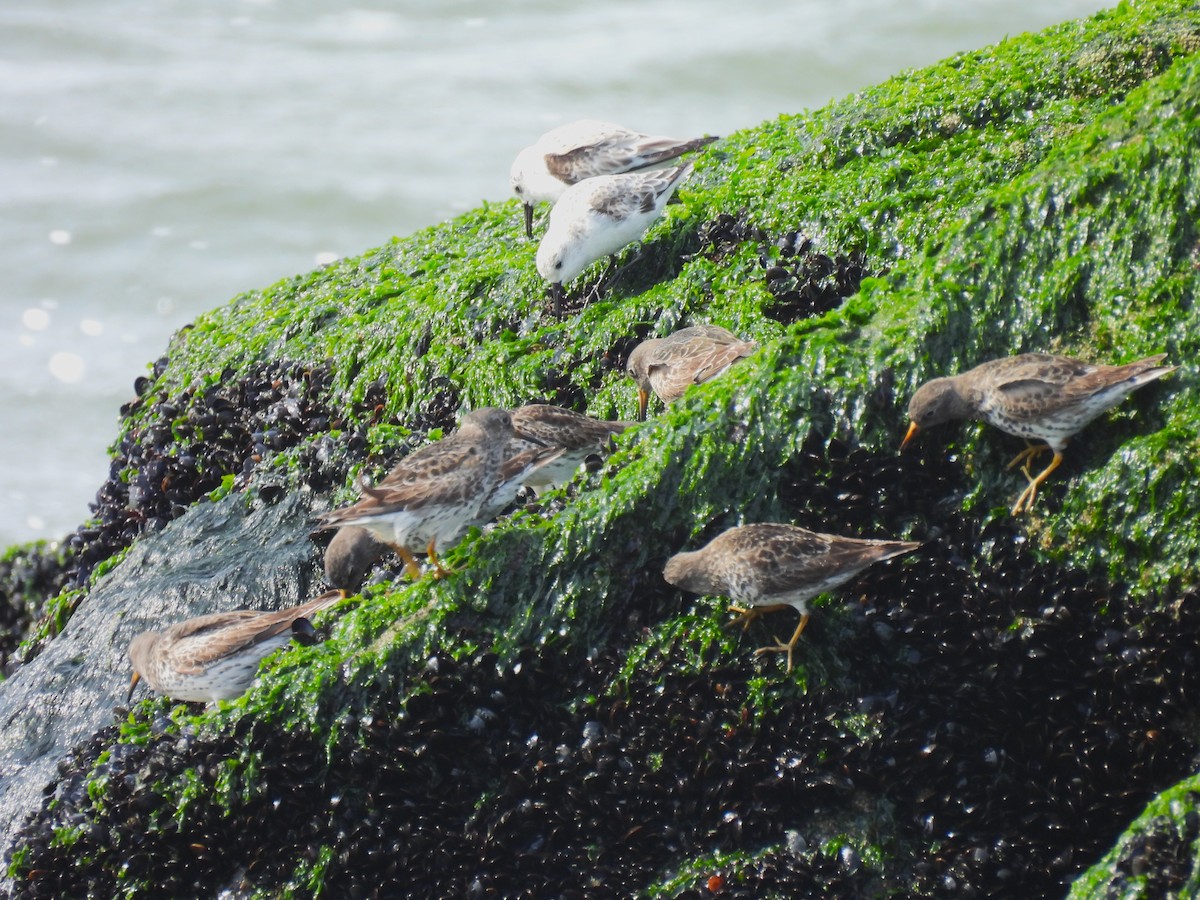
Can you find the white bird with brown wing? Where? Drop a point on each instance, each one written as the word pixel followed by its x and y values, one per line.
pixel 597 218
pixel 571 153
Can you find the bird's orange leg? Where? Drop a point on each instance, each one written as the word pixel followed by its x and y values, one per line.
pixel 410 562
pixel 439 571
pixel 1025 501
pixel 781 647
pixel 1031 450
pixel 745 616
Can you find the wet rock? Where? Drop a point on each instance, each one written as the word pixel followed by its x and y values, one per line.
pixel 980 718
pixel 209 560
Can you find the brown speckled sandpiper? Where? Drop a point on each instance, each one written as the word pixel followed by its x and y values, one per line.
pixel 215 657
pixel 578 436
pixel 1037 396
pixel 669 366
pixel 433 495
pixel 769 567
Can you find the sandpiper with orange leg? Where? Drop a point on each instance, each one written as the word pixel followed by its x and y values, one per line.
pixel 433 495
pixel 1037 396
pixel 767 567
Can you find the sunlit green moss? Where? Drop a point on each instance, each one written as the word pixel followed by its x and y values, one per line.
pixel 1039 194
pixel 309 880
pixel 1169 819
pixel 18 864
pixel 59 609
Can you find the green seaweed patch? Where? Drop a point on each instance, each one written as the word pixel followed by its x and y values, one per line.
pixel 695 875
pixel 31 576
pixel 1016 208
pixel 53 620
pixel 839 866
pixel 309 877
pixel 18 863
pixel 688 643
pixel 19 552
pixel 1157 854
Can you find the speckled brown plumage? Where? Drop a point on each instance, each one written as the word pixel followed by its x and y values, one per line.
pixel 434 494
pixel 577 435
pixel 1037 396
pixel 615 151
pixel 215 657
pixel 522 465
pixel 669 366
pixel 771 566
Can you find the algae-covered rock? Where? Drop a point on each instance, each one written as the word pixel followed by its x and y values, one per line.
pixel 68 692
pixel 1156 857
pixel 982 717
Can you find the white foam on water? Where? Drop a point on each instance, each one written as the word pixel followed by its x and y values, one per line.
pixel 67 367
pixel 35 319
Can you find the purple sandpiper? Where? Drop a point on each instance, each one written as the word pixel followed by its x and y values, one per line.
pixel 669 366
pixel 579 437
pixel 1037 396
pixel 433 495
pixel 215 657
pixel 771 567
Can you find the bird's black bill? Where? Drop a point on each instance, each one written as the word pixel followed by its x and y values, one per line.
pixel 527 210
pixel 557 293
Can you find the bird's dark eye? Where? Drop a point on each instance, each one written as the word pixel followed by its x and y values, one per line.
pixel 558 265
pixel 517 188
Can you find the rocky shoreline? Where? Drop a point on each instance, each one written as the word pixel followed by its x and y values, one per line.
pixel 986 719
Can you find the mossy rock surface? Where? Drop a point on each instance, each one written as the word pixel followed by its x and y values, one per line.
pixel 980 718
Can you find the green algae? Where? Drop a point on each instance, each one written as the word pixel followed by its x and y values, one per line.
pixel 732 869
pixel 30 577
pixel 59 609
pixel 1039 194
pixel 18 864
pixel 1168 819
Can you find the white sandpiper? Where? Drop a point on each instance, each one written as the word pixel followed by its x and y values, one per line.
pixel 598 217
pixel 568 154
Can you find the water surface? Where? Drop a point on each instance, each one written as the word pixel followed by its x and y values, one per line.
pixel 157 158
